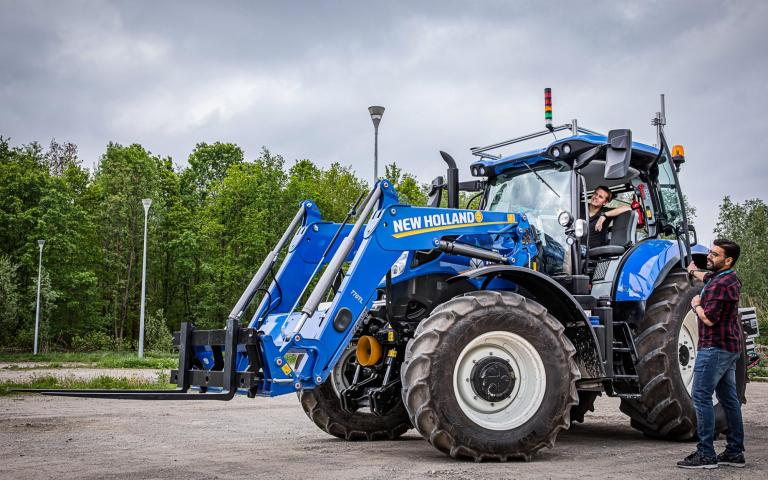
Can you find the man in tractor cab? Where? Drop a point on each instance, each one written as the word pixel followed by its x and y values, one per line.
pixel 598 215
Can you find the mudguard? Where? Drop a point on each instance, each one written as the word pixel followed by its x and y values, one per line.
pixel 643 268
pixel 558 301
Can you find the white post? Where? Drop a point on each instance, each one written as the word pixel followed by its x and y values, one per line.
pixel 37 308
pixel 146 202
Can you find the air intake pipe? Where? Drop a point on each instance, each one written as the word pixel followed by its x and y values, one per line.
pixel 452 180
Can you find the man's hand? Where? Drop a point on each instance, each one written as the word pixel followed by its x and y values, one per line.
pixel 691 267
pixel 599 224
pixel 696 301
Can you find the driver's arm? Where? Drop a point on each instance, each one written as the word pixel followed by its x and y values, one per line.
pixel 615 212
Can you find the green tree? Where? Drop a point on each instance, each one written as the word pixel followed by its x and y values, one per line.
pixel 747 224
pixel 334 190
pixel 9 300
pixel 125 176
pixel 208 164
pixel 408 189
pixel 238 225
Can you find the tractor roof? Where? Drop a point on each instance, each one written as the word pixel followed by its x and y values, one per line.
pixel 642 155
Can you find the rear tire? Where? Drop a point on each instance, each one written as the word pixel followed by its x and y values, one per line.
pixel 666 349
pixel 490 376
pixel 323 406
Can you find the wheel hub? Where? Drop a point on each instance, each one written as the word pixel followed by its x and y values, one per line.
pixel 493 379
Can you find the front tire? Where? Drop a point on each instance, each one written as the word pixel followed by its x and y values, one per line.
pixel 323 406
pixel 490 375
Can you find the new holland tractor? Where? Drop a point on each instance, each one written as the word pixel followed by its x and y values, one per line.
pixel 486 329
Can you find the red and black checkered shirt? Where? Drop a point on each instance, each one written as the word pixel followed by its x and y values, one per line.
pixel 720 301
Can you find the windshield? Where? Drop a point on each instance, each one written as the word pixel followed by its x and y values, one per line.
pixel 541 193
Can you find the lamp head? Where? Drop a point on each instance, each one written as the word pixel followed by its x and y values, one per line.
pixel 41 243
pixel 376 114
pixel 146 202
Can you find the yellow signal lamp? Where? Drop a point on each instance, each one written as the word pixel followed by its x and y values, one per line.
pixel 678 156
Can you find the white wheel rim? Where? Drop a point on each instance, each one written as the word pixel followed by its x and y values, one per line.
pixel 687 341
pixel 687 350
pixel 526 395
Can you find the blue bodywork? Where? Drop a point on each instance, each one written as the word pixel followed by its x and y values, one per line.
pixel 645 267
pixel 394 228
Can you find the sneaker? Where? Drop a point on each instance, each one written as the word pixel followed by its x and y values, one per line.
pixel 731 459
pixel 696 460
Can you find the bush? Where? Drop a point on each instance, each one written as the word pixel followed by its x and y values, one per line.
pixel 95 341
pixel 157 336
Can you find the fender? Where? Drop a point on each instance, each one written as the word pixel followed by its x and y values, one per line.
pixel 643 268
pixel 558 301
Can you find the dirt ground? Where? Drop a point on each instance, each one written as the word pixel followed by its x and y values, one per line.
pixel 49 437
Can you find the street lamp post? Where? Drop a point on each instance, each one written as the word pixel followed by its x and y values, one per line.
pixel 39 277
pixel 376 114
pixel 146 202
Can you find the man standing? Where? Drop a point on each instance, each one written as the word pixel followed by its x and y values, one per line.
pixel 717 308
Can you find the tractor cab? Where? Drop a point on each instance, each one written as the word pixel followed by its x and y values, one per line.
pixel 553 187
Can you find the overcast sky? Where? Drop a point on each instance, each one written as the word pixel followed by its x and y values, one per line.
pixel 297 77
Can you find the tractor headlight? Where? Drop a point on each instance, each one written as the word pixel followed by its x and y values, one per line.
pixel 399 266
pixel 581 227
pixel 566 148
pixel 482 170
pixel 555 152
pixel 564 219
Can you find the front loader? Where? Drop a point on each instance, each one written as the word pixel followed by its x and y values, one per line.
pixel 488 330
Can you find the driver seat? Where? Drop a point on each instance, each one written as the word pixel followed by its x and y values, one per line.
pixel 623 230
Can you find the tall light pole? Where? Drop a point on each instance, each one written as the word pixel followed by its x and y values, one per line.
pixel 39 277
pixel 376 114
pixel 146 202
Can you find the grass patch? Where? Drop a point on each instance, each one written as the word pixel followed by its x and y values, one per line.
pixel 100 382
pixel 96 359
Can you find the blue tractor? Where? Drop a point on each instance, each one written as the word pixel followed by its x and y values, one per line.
pixel 487 329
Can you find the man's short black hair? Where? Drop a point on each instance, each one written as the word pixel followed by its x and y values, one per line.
pixel 731 248
pixel 606 190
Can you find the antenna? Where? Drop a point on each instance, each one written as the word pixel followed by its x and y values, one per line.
pixel 660 120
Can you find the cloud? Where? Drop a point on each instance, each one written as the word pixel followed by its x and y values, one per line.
pixel 298 77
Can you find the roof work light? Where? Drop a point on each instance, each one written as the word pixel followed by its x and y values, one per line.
pixel 548 108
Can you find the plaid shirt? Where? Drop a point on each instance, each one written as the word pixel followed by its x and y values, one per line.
pixel 720 301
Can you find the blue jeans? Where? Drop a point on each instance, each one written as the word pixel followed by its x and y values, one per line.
pixel 715 372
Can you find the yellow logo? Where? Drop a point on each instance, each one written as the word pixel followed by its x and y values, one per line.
pixel 478 216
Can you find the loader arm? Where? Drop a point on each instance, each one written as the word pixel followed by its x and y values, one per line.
pixel 322 335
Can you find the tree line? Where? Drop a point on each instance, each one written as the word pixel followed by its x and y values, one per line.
pixel 211 223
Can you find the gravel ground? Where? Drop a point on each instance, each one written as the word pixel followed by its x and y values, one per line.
pixel 48 437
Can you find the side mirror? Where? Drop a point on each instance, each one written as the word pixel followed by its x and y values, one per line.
pixel 618 154
pixel 436 192
pixel 692 238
